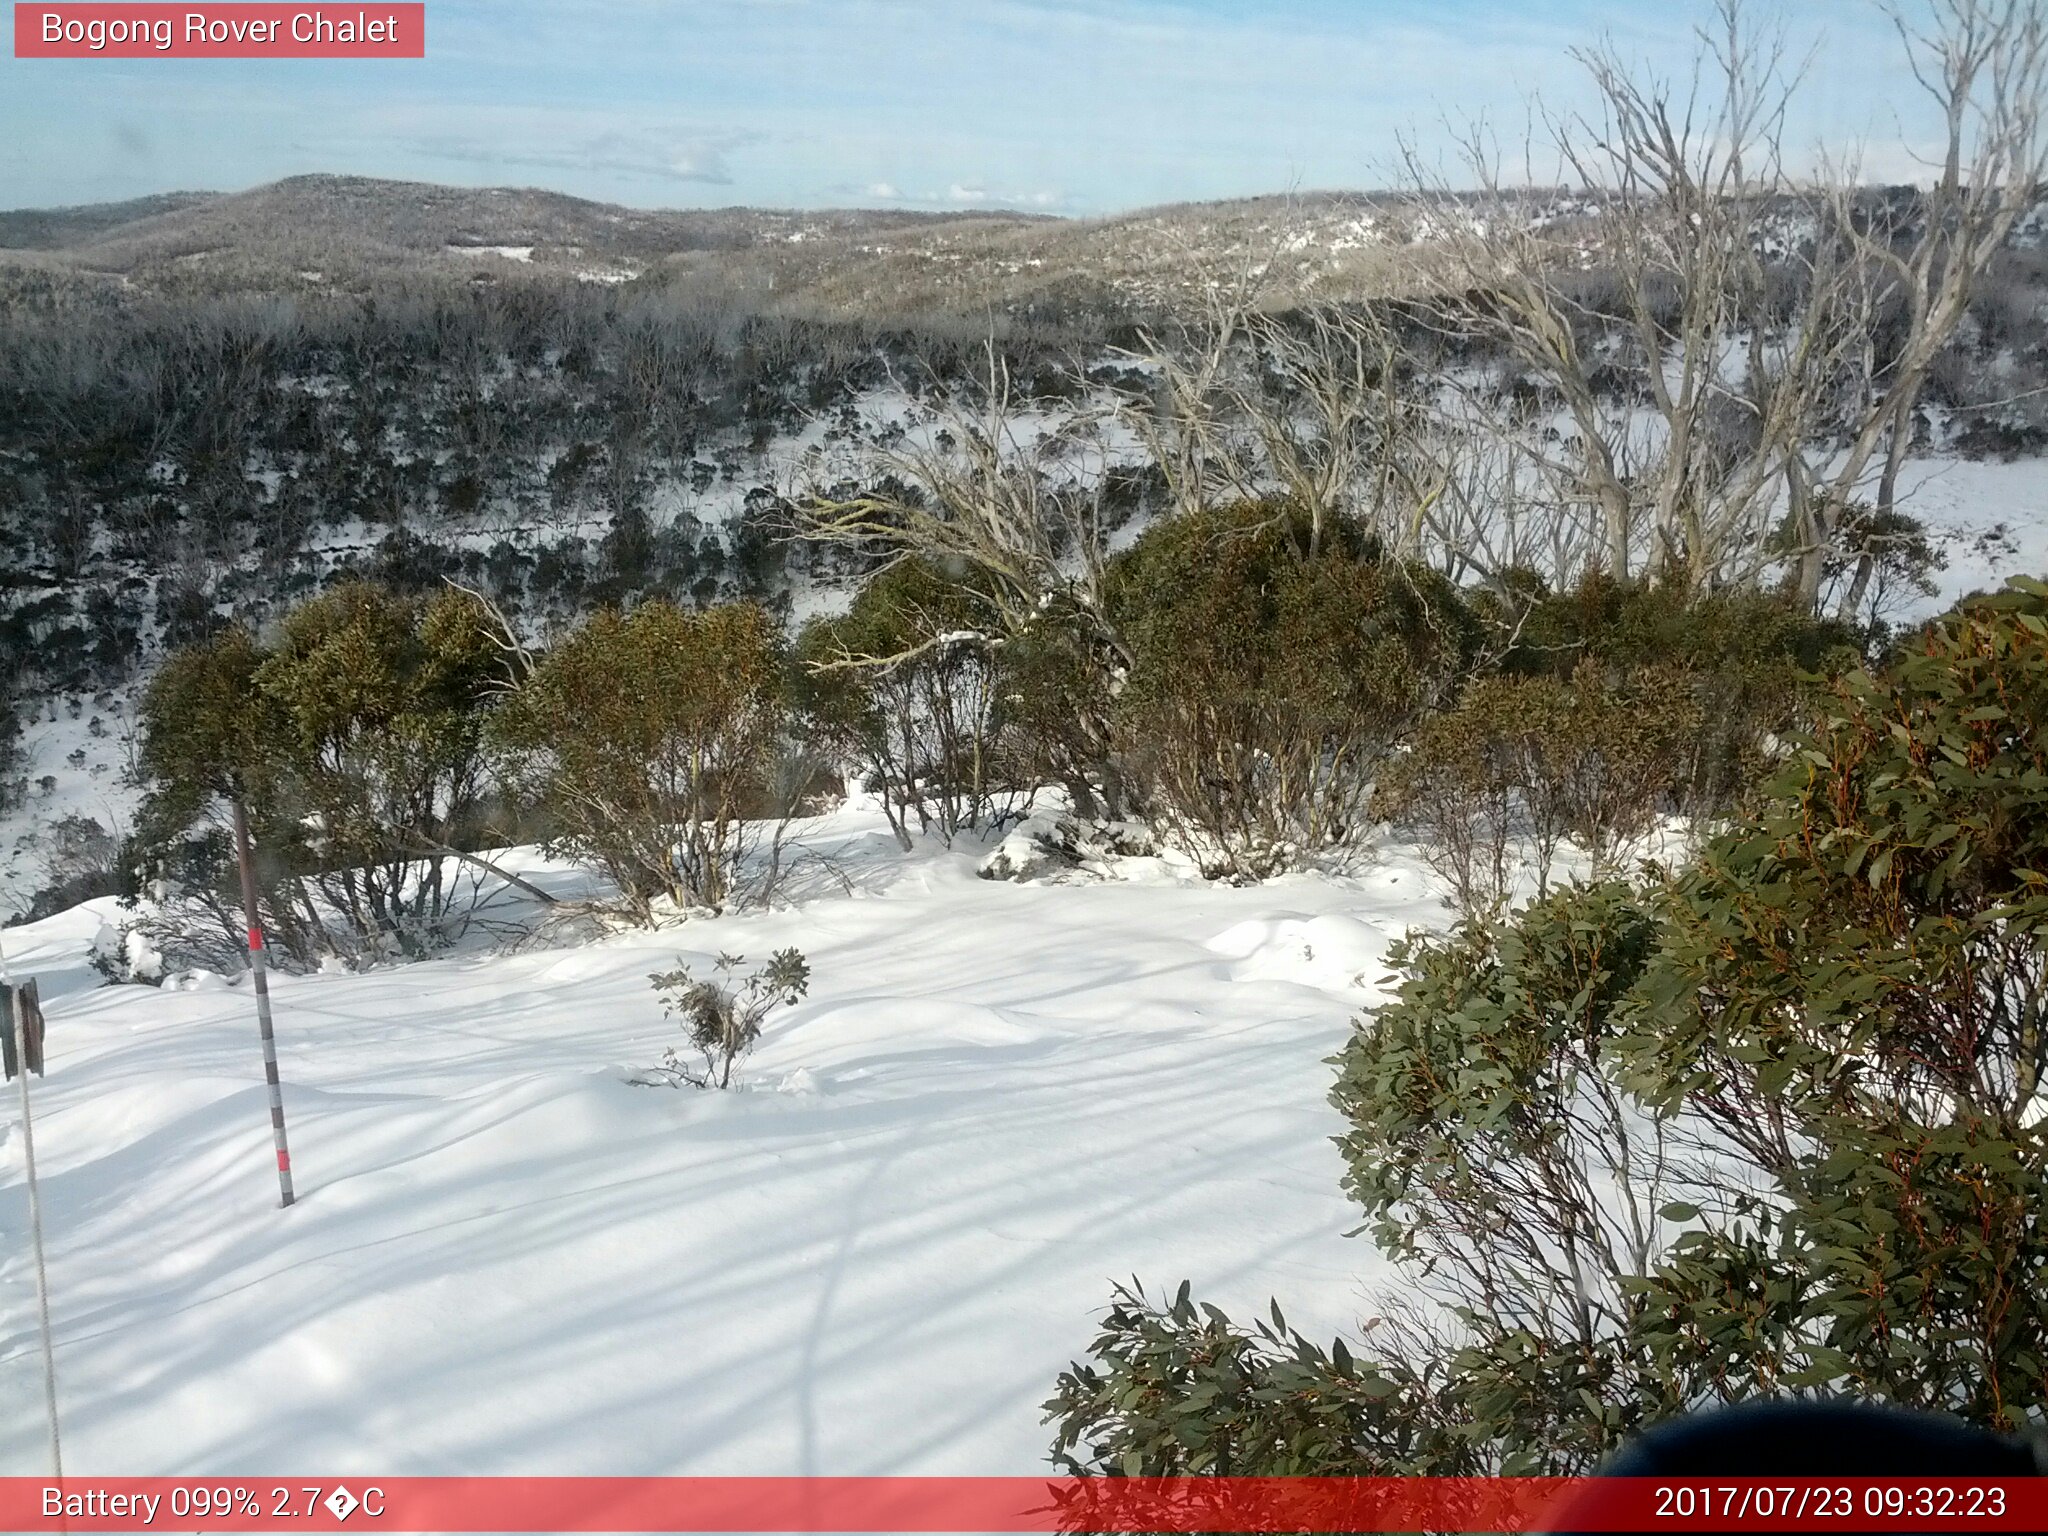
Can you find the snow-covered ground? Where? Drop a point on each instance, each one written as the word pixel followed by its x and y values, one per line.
pixel 996 1100
pixel 78 754
pixel 874 1258
pixel 1988 518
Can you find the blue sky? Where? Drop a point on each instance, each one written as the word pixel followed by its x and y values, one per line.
pixel 1062 106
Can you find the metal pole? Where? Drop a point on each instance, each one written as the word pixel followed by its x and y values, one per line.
pixel 258 969
pixel 17 1020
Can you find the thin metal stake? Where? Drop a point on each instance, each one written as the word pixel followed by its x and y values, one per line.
pixel 258 968
pixel 18 1021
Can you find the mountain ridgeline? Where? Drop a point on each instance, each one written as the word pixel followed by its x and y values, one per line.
pixel 215 405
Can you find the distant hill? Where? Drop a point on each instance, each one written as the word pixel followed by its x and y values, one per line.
pixel 349 231
pixel 39 229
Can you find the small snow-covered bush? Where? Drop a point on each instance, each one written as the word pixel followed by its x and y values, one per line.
pixel 82 860
pixel 1052 846
pixel 723 1014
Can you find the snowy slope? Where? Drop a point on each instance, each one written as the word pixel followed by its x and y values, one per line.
pixel 996 1099
pixel 78 754
pixel 1989 519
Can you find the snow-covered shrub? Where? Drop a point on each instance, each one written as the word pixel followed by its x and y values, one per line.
pixel 1774 1126
pixel 653 743
pixel 723 1014
pixel 122 952
pixel 910 687
pixel 1269 676
pixel 81 860
pixel 1053 845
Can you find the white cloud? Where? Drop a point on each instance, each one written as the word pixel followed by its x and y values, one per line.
pixel 968 193
pixel 978 196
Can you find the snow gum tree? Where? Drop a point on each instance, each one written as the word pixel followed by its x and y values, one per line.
pixel 1773 1125
pixel 1776 331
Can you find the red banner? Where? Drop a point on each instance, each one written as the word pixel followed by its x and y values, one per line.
pixel 1035 1504
pixel 242 31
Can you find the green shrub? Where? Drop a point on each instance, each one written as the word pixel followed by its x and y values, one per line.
pixel 1494 1147
pixel 1775 1127
pixel 1742 658
pixel 652 740
pixel 380 704
pixel 1061 681
pixel 723 1016
pixel 1178 1388
pixel 1526 762
pixel 1266 684
pixel 356 744
pixel 1851 989
pixel 1487 1128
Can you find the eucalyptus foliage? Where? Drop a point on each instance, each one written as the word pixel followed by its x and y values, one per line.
pixel 1772 1124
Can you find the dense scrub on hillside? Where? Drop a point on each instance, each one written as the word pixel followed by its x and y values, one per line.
pixel 173 455
pixel 1547 529
pixel 170 462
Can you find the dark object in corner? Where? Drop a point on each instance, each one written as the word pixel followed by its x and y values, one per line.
pixel 1809 1439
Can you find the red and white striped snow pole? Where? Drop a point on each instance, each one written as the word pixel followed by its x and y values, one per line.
pixel 257 968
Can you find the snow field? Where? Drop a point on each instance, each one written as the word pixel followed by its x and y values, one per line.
pixel 507 1258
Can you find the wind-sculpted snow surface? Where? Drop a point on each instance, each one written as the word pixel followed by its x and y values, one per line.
pixel 996 1099
pixel 1334 951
